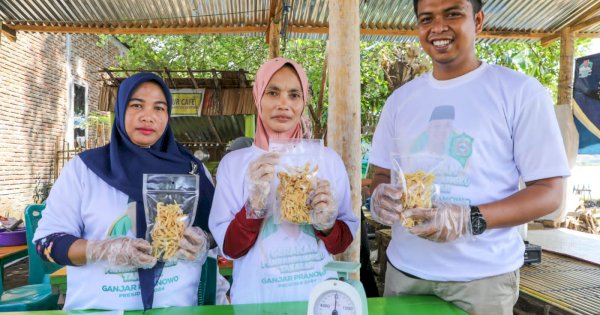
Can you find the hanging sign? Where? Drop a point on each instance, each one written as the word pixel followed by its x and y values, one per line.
pixel 187 102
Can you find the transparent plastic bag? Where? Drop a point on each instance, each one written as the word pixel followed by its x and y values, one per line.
pixel 170 202
pixel 296 178
pixel 259 184
pixel 415 175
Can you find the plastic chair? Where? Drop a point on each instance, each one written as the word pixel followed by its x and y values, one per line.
pixel 207 289
pixel 37 295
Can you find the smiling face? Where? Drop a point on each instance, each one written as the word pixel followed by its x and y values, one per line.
pixel 447 30
pixel 146 116
pixel 282 102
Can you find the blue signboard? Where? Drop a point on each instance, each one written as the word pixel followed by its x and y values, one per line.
pixel 586 92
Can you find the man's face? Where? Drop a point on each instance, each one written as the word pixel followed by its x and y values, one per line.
pixel 447 30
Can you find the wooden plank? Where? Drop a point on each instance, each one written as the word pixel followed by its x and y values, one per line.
pixel 344 100
pixel 586 24
pixel 173 85
pixel 591 12
pixel 397 32
pixel 259 29
pixel 10 33
pixel 189 70
pixel 139 31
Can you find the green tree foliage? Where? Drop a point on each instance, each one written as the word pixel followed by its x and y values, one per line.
pixel 530 58
pixel 248 53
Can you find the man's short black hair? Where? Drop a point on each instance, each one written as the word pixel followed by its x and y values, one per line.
pixel 476 4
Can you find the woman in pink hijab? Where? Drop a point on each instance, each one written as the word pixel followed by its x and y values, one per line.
pixel 278 262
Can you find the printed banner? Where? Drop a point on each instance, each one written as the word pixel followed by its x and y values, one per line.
pixel 586 108
pixel 187 102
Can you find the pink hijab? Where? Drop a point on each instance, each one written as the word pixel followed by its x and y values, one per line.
pixel 263 76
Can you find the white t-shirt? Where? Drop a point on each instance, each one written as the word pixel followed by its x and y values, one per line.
pixel 83 205
pixel 287 260
pixel 482 131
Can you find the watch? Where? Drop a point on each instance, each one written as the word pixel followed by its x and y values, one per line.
pixel 478 224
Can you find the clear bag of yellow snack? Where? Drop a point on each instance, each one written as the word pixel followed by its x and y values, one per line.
pixel 296 178
pixel 170 202
pixel 415 175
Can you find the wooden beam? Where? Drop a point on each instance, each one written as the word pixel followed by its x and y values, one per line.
pixel 565 76
pixel 586 24
pixel 260 29
pixel 392 32
pixel 343 131
pixel 139 31
pixel 10 33
pixel 577 28
pixel 591 12
pixel 587 35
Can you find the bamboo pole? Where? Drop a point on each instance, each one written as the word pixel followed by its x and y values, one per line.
pixel 565 78
pixel 274 37
pixel 344 99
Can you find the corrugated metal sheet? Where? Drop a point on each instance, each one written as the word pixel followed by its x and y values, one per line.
pixel 538 16
pixel 204 132
pixel 199 129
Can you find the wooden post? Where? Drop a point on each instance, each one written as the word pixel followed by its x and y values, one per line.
pixel 344 99
pixel 564 104
pixel 565 78
pixel 274 38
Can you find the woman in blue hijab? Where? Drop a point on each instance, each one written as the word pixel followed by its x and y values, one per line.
pixel 94 221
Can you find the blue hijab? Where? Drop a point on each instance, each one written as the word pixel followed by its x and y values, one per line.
pixel 122 164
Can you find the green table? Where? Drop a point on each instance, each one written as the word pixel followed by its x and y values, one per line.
pixel 413 305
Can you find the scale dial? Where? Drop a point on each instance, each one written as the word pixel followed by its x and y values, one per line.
pixel 334 303
pixel 335 297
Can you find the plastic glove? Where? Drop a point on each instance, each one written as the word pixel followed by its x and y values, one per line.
pixel 194 245
pixel 442 223
pixel 122 252
pixel 324 211
pixel 386 204
pixel 259 176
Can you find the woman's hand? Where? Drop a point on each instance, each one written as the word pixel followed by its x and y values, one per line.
pixel 194 245
pixel 324 212
pixel 122 252
pixel 258 178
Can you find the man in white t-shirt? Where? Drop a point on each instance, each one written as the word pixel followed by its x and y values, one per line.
pixel 485 127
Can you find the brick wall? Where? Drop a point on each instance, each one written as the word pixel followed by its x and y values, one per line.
pixel 34 98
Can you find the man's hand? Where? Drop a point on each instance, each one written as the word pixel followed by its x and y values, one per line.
pixel 442 223
pixel 386 205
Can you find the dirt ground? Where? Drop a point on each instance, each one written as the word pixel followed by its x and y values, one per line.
pixel 16 275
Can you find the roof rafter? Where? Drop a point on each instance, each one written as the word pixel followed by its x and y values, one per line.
pixel 576 25
pixel 587 24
